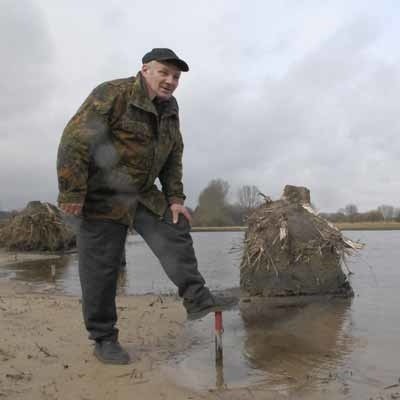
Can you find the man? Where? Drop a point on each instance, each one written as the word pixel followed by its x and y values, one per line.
pixel 123 137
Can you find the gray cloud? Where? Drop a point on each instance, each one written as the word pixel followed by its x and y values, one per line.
pixel 26 53
pixel 303 94
pixel 322 125
pixel 25 102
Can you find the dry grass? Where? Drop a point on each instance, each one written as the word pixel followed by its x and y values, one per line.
pixel 289 249
pixel 39 227
pixel 368 226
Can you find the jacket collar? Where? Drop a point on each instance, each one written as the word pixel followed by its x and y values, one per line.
pixel 140 98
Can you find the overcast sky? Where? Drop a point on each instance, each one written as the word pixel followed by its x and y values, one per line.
pixel 279 92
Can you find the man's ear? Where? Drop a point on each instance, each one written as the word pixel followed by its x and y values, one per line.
pixel 145 68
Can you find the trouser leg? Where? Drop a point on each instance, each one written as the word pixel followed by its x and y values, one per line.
pixel 173 246
pixel 100 249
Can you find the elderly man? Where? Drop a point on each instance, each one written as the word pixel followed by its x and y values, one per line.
pixel 124 136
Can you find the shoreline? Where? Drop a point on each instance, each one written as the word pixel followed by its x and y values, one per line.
pixel 16 257
pixel 343 226
pixel 45 352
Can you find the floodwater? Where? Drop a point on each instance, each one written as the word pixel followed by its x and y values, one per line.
pixel 217 253
pixel 301 349
pixel 296 348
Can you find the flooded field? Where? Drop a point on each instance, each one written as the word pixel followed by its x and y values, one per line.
pixel 301 349
pixel 217 252
pixel 343 348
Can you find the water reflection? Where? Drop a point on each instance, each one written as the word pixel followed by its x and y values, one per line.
pixel 296 341
pixel 219 375
pixel 295 348
pixel 287 344
pixel 122 280
pixel 44 271
pixel 143 273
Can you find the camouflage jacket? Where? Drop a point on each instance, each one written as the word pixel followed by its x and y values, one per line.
pixel 115 147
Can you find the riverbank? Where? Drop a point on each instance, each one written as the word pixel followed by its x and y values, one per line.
pixel 218 228
pixel 45 354
pixel 368 226
pixel 12 258
pixel 343 226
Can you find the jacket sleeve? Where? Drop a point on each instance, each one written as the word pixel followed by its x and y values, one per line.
pixel 86 127
pixel 171 174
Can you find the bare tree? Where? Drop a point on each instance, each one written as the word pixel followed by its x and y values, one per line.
pixel 386 211
pixel 372 216
pixel 351 210
pixel 248 197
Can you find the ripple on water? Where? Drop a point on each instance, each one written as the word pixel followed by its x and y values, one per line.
pixel 285 346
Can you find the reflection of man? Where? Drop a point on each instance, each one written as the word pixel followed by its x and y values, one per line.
pixel 125 136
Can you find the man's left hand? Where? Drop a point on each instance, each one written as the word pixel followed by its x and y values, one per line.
pixel 177 209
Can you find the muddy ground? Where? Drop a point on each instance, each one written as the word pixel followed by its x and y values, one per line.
pixel 45 353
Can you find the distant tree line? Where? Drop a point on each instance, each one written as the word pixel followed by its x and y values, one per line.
pixel 214 209
pixel 350 213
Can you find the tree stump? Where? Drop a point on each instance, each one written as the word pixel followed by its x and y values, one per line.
pixel 290 250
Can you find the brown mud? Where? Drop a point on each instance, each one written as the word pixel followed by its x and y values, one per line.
pixel 290 250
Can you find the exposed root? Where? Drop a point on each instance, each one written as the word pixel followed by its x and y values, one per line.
pixel 39 227
pixel 288 235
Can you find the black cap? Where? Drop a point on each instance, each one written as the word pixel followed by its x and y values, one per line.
pixel 163 54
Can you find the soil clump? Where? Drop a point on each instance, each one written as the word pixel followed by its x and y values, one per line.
pixel 290 250
pixel 38 227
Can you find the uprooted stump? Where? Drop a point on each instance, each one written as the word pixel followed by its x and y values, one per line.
pixel 39 227
pixel 290 250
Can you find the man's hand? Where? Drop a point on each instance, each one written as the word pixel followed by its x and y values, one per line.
pixel 72 208
pixel 177 209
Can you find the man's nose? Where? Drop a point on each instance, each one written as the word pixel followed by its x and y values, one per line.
pixel 169 79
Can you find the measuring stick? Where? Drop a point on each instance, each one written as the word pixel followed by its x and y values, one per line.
pixel 219 329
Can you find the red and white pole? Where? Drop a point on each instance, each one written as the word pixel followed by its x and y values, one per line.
pixel 219 330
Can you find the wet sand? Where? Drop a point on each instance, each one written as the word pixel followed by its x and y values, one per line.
pixel 45 353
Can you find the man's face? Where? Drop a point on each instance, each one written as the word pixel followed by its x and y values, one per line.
pixel 161 79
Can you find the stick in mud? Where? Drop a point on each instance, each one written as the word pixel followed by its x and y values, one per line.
pixel 219 361
pixel 219 329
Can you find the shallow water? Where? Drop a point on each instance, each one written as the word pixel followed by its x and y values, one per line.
pixel 342 348
pixel 218 261
pixel 345 347
pixel 286 348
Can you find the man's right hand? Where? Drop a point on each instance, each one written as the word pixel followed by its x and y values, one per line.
pixel 72 208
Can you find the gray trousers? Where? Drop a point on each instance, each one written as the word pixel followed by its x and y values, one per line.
pixel 101 246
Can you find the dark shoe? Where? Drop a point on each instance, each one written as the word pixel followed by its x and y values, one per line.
pixel 111 352
pixel 196 310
